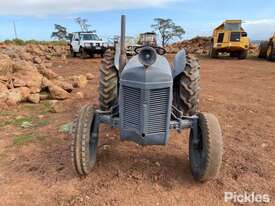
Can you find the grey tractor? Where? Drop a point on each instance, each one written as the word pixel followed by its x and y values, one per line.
pixel 146 97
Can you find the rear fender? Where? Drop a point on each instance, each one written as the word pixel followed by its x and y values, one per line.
pixel 179 63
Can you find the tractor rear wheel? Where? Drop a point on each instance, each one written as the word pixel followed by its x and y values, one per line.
pixel 206 150
pixel 242 54
pixel 84 143
pixel 271 51
pixel 108 82
pixel 186 88
pixel 263 49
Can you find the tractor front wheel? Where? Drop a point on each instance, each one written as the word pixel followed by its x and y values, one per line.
pixel 205 148
pixel 84 141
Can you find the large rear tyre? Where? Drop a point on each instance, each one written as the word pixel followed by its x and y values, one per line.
pixel 186 88
pixel 262 51
pixel 84 142
pixel 271 51
pixel 206 150
pixel 108 82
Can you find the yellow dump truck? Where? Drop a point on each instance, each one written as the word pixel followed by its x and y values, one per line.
pixel 267 49
pixel 230 38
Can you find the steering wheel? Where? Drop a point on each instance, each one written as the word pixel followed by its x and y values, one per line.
pixel 159 50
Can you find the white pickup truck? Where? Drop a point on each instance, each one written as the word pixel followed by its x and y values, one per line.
pixel 87 43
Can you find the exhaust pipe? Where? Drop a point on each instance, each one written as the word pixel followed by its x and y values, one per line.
pixel 122 57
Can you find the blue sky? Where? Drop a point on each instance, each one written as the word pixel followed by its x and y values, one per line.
pixel 35 18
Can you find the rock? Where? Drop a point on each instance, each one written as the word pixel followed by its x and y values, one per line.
pixel 17 95
pixel 48 64
pixel 64 58
pixel 26 56
pixel 26 124
pixel 34 49
pixel 64 85
pixel 60 106
pixel 79 95
pixel 80 81
pixel 45 83
pixel 90 76
pixel 58 93
pixel 48 57
pixel 50 74
pixel 37 60
pixel 6 65
pixel 18 82
pixel 44 96
pixel 28 73
pixel 34 98
pixel 3 87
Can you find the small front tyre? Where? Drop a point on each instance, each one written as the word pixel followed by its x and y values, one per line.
pixel 206 150
pixel 84 141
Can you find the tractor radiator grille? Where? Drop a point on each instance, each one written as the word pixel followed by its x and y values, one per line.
pixel 145 110
pixel 131 107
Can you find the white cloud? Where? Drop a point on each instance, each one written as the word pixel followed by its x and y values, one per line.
pixel 49 7
pixel 260 29
pixel 260 22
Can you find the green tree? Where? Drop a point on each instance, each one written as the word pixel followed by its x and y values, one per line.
pixel 167 29
pixel 60 32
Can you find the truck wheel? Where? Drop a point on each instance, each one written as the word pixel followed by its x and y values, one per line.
pixel 263 49
pixel 242 54
pixel 206 151
pixel 73 54
pixel 186 88
pixel 83 146
pixel 271 52
pixel 83 53
pixel 213 52
pixel 108 82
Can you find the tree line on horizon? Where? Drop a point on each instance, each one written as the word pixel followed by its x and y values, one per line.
pixel 166 28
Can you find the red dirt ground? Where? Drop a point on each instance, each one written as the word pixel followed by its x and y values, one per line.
pixel 240 93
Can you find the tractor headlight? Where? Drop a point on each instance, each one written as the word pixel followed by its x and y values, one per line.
pixel 87 45
pixel 147 56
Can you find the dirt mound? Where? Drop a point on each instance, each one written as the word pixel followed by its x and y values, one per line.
pixel 200 46
pixel 25 74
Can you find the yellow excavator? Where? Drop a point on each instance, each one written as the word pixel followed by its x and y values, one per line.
pixel 267 49
pixel 229 37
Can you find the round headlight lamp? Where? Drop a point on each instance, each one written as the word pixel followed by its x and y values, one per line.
pixel 147 56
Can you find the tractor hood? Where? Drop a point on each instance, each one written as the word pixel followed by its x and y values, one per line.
pixel 157 73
